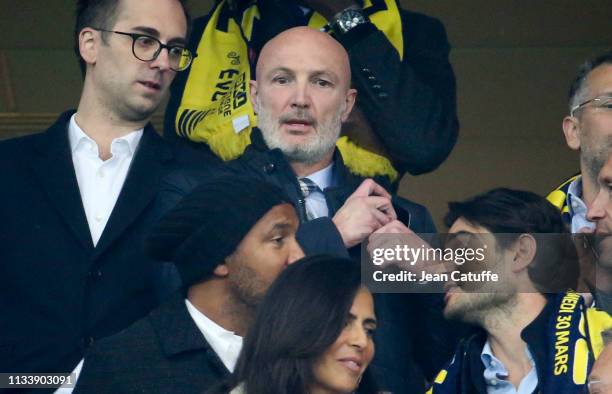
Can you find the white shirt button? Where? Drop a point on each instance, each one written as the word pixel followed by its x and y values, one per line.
pixel 99 217
pixel 101 173
pixel 493 382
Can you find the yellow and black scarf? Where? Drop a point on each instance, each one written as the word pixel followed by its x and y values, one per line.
pixel 215 107
pixel 569 341
pixel 558 198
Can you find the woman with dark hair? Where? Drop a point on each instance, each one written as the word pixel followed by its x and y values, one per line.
pixel 313 333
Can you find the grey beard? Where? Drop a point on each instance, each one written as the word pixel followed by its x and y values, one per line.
pixel 309 153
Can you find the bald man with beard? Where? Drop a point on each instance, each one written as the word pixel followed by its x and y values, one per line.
pixel 302 95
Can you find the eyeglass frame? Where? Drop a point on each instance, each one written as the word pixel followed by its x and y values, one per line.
pixel 598 98
pixel 136 36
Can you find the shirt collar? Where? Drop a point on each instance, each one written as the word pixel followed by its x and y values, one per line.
pixel 225 343
pixel 205 324
pixel 324 177
pixel 492 364
pixel 80 140
pixel 577 207
pixel 574 191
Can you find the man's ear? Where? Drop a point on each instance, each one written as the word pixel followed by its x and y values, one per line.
pixel 221 270
pixel 571 130
pixel 349 100
pixel 88 39
pixel 525 251
pixel 253 94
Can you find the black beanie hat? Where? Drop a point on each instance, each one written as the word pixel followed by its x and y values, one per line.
pixel 209 223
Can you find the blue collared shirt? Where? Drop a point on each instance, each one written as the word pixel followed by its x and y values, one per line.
pixel 577 207
pixel 495 374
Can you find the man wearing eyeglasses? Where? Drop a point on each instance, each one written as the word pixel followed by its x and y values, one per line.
pixel 77 199
pixel 587 128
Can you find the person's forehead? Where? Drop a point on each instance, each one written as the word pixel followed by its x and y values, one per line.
pixel 363 302
pixel 307 54
pixel 166 16
pixel 279 215
pixel 462 225
pixel 599 80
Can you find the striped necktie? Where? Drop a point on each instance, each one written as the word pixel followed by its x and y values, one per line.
pixel 307 186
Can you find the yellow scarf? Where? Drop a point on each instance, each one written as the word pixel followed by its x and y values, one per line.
pixel 215 106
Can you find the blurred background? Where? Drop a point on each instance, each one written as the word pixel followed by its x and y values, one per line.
pixel 514 61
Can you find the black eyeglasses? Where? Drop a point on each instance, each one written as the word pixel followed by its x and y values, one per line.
pixel 147 49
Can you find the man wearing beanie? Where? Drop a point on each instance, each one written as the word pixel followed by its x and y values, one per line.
pixel 302 95
pixel 228 246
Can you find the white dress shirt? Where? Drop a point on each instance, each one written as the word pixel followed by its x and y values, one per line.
pixel 100 181
pixel 315 201
pixel 225 343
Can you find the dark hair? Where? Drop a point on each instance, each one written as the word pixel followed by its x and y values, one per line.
pixel 577 90
pixel 507 213
pixel 302 315
pixel 101 14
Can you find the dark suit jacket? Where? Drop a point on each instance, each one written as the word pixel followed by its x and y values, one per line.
pixel 162 353
pixel 57 292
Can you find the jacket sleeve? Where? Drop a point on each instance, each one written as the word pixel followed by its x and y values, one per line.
pixel 97 375
pixel 411 103
pixel 320 236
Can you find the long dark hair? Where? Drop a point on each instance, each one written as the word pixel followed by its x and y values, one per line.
pixel 302 315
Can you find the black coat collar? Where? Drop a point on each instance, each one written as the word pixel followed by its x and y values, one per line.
pixel 178 333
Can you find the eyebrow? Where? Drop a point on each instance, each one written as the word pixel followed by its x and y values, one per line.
pixel 367 320
pixel 327 73
pixel 281 69
pixel 281 226
pixel 153 32
pixel 316 73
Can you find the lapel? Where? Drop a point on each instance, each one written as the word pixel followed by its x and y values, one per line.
pixel 53 167
pixel 178 333
pixel 140 187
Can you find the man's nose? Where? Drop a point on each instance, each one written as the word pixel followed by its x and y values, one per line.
pixel 597 209
pixel 162 61
pixel 301 95
pixel 295 253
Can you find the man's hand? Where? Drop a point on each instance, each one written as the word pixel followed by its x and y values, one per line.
pixel 395 234
pixel 365 211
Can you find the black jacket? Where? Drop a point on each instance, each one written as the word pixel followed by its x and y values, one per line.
pixel 162 353
pixel 59 293
pixel 411 327
pixel 410 103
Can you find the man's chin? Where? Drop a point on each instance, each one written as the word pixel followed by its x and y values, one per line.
pixel 141 111
pixel 294 139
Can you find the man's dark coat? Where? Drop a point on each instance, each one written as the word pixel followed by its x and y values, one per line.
pixel 59 293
